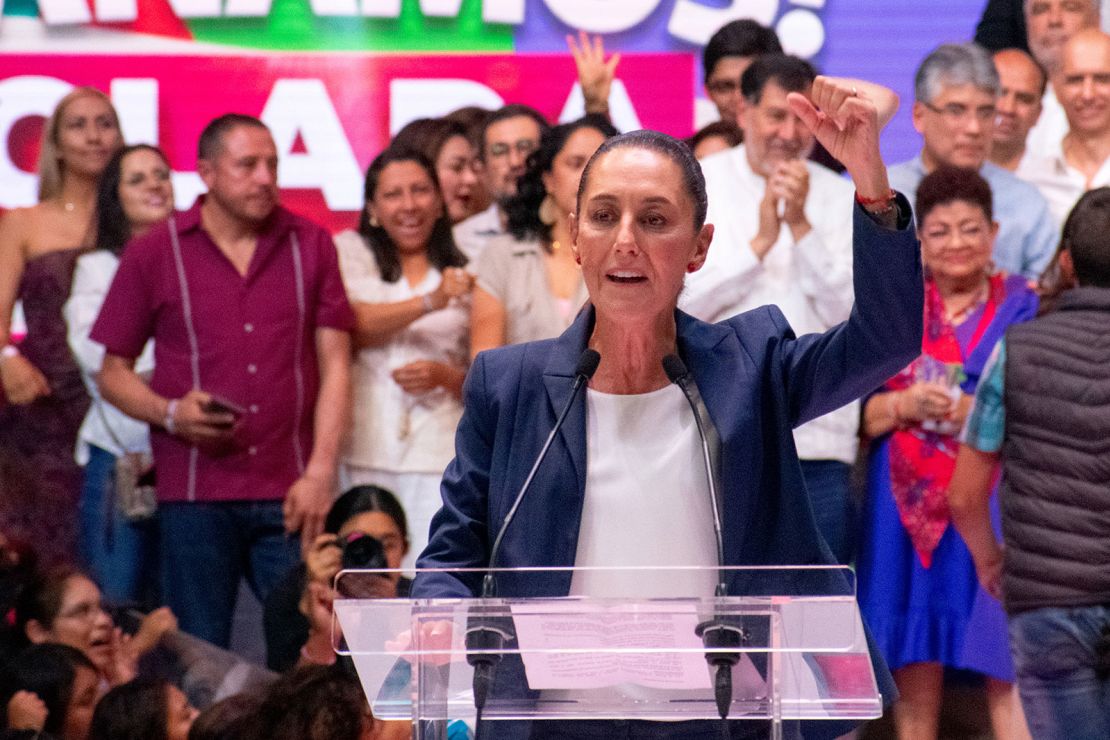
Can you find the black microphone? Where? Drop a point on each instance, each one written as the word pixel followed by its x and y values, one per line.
pixel 677 373
pixel 583 371
pixel 718 633
pixel 486 636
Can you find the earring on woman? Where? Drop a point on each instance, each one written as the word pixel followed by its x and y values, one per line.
pixel 374 221
pixel 549 211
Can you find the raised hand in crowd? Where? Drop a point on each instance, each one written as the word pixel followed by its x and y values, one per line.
pixel 26 711
pixel 153 627
pixel 595 75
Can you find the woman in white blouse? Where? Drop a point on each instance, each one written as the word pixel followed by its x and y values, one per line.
pixel 134 194
pixel 411 298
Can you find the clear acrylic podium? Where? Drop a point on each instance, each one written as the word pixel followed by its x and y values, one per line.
pixel 802 654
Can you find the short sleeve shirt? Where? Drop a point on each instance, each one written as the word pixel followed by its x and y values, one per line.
pixel 986 423
pixel 249 339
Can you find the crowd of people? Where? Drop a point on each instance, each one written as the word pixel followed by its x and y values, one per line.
pixel 231 393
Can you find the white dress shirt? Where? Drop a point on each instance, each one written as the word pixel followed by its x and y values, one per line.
pixel 646 502
pixel 1045 137
pixel 1060 183
pixel 104 424
pixel 809 280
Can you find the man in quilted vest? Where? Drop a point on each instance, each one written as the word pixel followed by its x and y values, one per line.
pixel 1043 410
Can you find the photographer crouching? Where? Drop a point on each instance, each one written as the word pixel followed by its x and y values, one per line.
pixel 365 528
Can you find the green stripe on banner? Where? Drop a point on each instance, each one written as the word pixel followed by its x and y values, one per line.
pixel 292 26
pixel 28 8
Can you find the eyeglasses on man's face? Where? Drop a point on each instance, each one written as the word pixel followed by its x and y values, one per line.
pixel 523 147
pixel 961 113
pixel 723 87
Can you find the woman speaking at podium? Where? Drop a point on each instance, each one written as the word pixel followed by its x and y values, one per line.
pixel 624 483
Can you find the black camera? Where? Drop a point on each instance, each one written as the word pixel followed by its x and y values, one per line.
pixel 361 551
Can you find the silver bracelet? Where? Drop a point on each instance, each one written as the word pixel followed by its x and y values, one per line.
pixel 168 422
pixel 429 306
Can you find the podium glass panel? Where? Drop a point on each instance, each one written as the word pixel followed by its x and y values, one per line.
pixel 798 648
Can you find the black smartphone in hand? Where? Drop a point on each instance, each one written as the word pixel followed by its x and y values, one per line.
pixel 219 405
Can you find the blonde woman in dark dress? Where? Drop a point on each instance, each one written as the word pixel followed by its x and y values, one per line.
pixel 45 399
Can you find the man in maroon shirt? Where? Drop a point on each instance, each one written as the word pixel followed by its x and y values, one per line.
pixel 249 396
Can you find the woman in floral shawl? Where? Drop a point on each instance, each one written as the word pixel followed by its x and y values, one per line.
pixel 917 582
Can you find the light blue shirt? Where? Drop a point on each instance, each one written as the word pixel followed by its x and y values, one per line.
pixel 985 429
pixel 1027 233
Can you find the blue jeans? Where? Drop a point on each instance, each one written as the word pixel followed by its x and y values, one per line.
pixel 120 555
pixel 829 483
pixel 1060 657
pixel 208 547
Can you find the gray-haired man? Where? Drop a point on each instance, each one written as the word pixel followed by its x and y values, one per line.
pixel 956 91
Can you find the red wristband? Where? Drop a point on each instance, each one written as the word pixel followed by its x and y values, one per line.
pixel 875 201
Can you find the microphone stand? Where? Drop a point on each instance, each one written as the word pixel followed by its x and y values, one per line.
pixel 721 638
pixel 486 637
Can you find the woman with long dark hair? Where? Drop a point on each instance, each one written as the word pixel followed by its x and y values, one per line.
pixel 49 688
pixel 529 285
pixel 135 193
pixel 143 709
pixel 410 294
pixel 297 614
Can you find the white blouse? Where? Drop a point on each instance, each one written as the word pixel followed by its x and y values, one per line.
pixel 393 430
pixel 104 424
pixel 646 500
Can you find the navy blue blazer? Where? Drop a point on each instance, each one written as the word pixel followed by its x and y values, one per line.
pixel 758 381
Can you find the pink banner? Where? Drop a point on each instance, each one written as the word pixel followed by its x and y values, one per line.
pixel 330 113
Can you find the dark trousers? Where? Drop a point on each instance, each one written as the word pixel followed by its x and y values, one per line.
pixel 208 547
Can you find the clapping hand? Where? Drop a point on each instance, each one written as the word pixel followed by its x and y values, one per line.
pixel 789 181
